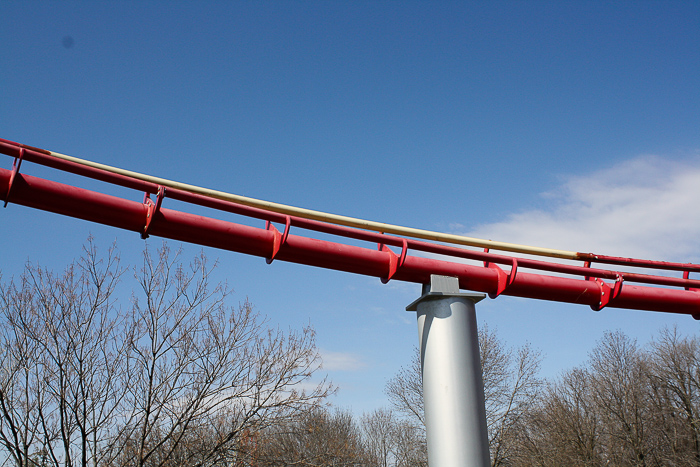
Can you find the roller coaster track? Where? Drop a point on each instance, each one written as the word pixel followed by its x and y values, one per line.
pixel 404 254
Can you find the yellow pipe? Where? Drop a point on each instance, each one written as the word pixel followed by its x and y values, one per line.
pixel 331 218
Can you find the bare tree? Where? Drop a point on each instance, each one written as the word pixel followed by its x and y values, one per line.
pixel 315 438
pixel 564 427
pixel 675 383
pixel 511 383
pixel 378 433
pixel 619 380
pixel 194 359
pixel 600 414
pixel 405 391
pixel 181 378
pixel 408 444
pixel 20 382
pixel 64 356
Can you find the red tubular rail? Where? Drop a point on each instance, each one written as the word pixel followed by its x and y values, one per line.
pixel 131 215
pixel 395 264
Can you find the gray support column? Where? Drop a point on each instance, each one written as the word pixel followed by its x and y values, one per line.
pixel 453 388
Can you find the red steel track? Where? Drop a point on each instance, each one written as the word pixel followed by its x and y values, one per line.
pixel 396 258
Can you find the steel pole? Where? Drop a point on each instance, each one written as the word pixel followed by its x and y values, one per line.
pixel 453 388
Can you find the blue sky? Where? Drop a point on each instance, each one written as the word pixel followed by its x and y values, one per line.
pixel 572 125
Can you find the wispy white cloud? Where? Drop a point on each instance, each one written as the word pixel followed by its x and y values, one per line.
pixel 647 207
pixel 341 361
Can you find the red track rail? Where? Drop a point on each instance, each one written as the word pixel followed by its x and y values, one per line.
pixel 668 294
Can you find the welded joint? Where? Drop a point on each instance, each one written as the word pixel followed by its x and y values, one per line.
pixel 15 171
pixel 395 261
pixel 686 276
pixel 503 280
pixel 152 209
pixel 607 293
pixel 278 238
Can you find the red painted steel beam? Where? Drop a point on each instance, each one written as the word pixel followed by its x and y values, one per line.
pixel 46 158
pixel 131 215
pixel 43 157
